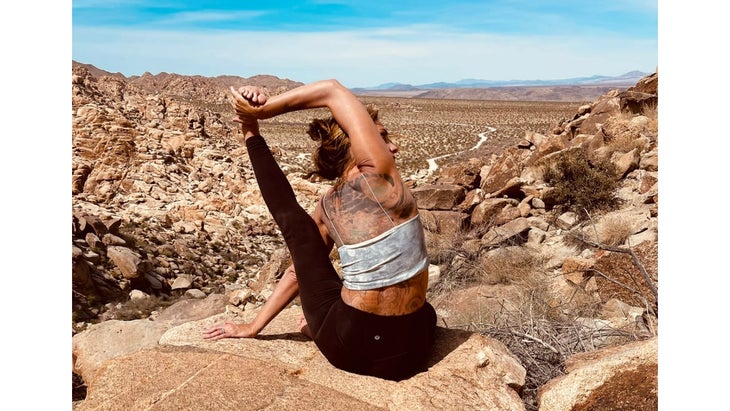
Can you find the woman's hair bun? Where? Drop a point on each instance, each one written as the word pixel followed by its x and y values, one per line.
pixel 318 130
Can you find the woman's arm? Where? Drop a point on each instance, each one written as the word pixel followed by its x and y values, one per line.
pixel 284 293
pixel 368 148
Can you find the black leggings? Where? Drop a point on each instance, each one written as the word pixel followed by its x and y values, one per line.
pixel 390 347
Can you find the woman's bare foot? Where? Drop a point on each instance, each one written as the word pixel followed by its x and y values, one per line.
pixel 303 327
pixel 254 94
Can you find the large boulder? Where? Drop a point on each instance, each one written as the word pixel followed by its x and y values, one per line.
pixel 616 378
pixel 281 369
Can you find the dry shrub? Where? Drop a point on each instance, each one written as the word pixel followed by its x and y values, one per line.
pixel 510 264
pixel 623 143
pixel 629 274
pixel 580 184
pixel 521 315
pixel 537 333
pixel 462 272
pixel 456 250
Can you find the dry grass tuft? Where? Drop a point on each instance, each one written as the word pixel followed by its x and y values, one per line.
pixel 508 265
pixel 623 130
pixel 611 230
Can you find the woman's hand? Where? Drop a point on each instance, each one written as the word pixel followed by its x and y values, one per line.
pixel 229 330
pixel 247 101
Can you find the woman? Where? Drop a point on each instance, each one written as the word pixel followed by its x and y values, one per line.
pixel 375 320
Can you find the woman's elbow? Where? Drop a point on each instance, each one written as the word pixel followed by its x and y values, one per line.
pixel 333 83
pixel 335 88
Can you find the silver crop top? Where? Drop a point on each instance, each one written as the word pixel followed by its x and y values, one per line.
pixel 389 258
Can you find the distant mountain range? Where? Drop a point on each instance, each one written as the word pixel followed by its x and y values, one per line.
pixel 627 79
pixel 579 89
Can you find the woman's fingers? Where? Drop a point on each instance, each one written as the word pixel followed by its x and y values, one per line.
pixel 240 103
pixel 247 100
pixel 217 332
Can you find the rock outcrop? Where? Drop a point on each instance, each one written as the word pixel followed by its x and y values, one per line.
pixel 280 369
pixel 616 378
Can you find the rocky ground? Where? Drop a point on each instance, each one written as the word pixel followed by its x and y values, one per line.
pixel 163 165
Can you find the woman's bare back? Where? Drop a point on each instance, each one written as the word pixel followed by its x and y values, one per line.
pixel 357 217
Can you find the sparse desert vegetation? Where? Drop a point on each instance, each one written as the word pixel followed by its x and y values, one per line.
pixel 428 128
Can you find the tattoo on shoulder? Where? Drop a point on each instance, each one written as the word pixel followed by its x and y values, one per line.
pixel 355 199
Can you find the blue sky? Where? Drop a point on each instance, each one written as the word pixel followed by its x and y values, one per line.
pixel 367 43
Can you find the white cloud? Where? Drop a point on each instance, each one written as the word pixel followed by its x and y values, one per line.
pixel 415 55
pixel 209 16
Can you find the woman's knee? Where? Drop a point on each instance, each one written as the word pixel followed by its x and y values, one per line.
pixel 297 226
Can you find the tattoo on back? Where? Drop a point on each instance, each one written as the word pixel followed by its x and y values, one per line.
pixel 358 216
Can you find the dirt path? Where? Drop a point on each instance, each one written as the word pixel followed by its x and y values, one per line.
pixel 433 166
